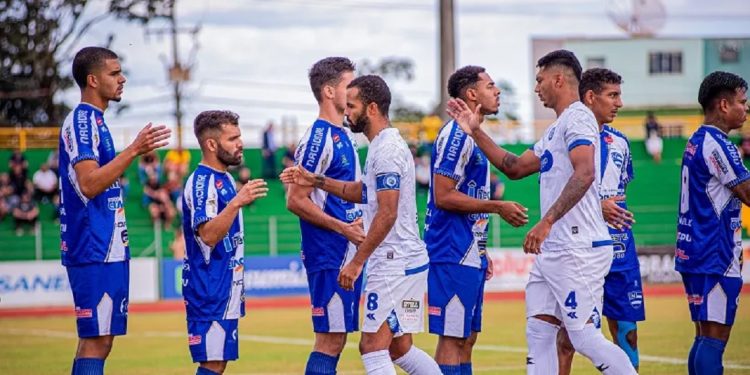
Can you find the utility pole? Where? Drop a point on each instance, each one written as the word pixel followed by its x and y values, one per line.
pixel 447 52
pixel 178 72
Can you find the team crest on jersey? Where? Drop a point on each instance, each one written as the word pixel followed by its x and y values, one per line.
pixel 219 184
pixel 608 138
pixel 98 120
pixel 336 138
pixel 551 133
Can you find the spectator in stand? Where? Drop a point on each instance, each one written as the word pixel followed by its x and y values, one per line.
pixel 17 160
pixel 156 199
pixel 269 153
pixel 25 213
pixel 149 166
pixel 45 184
pixel 421 168
pixel 177 161
pixel 288 161
pixel 497 187
pixel 243 177
pixel 6 192
pixel 53 160
pixel 654 143
pixel 18 178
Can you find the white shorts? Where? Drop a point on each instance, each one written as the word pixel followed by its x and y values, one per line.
pixel 654 145
pixel 569 285
pixel 397 299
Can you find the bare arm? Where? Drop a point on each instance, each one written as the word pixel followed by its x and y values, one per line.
pixel 212 231
pixel 449 199
pixel 381 226
pixel 511 165
pixel 350 191
pixel 300 204
pixel 742 191
pixel 93 179
pixel 582 158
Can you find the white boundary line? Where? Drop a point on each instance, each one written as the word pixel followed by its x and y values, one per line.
pixel 309 343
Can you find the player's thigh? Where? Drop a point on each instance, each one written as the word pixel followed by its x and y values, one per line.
pixel 100 294
pixel 623 296
pixel 213 340
pixel 540 300
pixel 576 278
pixel 334 309
pixel 453 294
pixel 397 300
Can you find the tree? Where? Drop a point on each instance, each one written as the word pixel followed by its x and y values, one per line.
pixel 398 68
pixel 38 39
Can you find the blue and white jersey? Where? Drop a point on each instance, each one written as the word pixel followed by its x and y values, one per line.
pixel 583 226
pixel 708 227
pixel 452 237
pixel 91 230
pixel 390 166
pixel 329 150
pixel 616 173
pixel 212 277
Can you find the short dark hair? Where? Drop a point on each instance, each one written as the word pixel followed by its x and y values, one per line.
pixel 373 89
pixel 87 60
pixel 562 58
pixel 719 85
pixel 208 121
pixel 594 79
pixel 462 79
pixel 328 71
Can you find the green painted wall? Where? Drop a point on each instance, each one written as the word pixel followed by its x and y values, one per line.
pixel 713 61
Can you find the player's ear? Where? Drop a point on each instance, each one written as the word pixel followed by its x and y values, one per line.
pixel 470 93
pixel 329 91
pixel 92 81
pixel 372 109
pixel 588 97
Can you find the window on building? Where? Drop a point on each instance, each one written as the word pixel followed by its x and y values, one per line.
pixel 665 63
pixel 595 62
pixel 729 51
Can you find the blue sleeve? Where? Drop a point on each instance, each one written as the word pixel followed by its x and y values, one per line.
pixel 203 200
pixel 83 138
pixel 312 153
pixel 453 153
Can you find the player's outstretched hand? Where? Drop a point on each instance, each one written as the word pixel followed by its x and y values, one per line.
pixel 349 275
pixel 532 244
pixel 615 215
pixel 354 231
pixel 468 121
pixel 150 138
pixel 251 191
pixel 298 176
pixel 514 213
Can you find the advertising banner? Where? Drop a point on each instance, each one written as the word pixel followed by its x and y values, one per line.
pixel 45 283
pixel 264 277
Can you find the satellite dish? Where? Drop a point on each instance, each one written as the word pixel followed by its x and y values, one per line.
pixel 638 18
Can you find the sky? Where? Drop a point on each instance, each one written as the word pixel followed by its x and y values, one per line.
pixel 252 56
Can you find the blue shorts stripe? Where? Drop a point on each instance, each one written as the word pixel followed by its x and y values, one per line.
pixel 602 243
pixel 419 269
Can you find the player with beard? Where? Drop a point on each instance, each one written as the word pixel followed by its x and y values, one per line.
pixel 396 258
pixel 213 274
pixel 94 235
pixel 458 209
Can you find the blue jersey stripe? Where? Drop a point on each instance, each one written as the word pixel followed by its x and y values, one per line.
pixel 579 142
pixel 412 271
